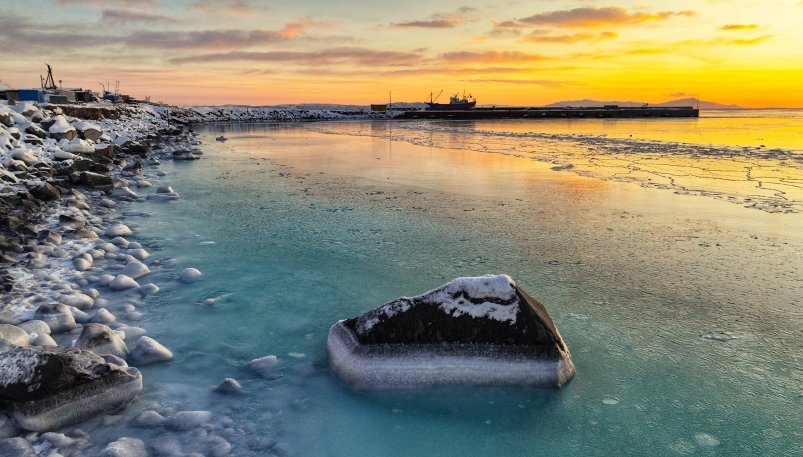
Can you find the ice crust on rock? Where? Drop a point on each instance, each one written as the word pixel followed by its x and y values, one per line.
pixel 482 331
pixel 147 351
pixel 48 388
pixel 117 230
pixel 189 275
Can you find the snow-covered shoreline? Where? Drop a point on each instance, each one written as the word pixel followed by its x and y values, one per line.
pixel 71 276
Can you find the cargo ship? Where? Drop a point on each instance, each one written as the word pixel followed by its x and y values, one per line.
pixel 455 103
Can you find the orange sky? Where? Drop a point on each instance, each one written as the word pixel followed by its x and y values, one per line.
pixel 743 52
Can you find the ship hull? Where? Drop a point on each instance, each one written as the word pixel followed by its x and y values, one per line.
pixel 450 106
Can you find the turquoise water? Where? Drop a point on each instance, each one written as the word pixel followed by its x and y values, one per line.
pixel 311 228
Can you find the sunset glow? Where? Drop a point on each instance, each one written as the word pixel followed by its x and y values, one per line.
pixel 507 52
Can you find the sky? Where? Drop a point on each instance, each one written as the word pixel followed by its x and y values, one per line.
pixel 261 52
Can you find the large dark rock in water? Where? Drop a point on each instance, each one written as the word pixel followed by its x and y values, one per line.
pixel 477 331
pixel 48 388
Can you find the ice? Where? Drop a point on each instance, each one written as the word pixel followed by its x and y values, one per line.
pixel 705 440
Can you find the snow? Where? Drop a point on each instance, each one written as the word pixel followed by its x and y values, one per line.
pixel 61 125
pixel 458 297
pixel 485 297
pixel 18 367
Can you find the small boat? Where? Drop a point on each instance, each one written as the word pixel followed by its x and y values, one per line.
pixel 456 103
pixel 221 138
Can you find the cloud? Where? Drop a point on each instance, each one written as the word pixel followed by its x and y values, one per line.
pixel 592 17
pixel 431 24
pixel 732 27
pixel 338 55
pixel 541 37
pixel 526 82
pixel 440 20
pixel 107 3
pixel 472 57
pixel 215 39
pixel 236 8
pixel 123 17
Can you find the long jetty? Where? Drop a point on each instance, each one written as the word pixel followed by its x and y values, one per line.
pixel 554 113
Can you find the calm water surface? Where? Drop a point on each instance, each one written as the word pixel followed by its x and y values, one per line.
pixel 682 312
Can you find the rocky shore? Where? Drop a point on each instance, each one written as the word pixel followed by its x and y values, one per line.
pixel 72 279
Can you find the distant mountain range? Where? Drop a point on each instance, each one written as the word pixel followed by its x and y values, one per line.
pixel 682 102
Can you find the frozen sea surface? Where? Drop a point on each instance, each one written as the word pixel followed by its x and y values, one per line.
pixel 683 313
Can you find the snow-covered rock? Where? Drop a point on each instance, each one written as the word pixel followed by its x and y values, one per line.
pixel 480 330
pixel 148 351
pixel 49 388
pixel 123 282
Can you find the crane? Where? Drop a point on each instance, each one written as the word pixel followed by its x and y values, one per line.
pixel 431 99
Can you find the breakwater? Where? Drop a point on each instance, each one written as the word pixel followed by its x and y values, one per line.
pixel 554 113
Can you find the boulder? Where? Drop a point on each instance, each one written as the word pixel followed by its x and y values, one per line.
pixel 57 316
pixel 60 129
pixel 478 331
pixel 35 130
pixel 88 130
pixel 148 351
pixel 139 149
pixel 101 340
pixel 50 236
pixel 49 388
pixel 45 192
pixel 93 179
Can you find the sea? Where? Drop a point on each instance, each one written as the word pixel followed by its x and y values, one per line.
pixel 669 253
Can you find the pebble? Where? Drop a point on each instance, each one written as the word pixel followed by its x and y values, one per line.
pixel 123 282
pixel 8 428
pixel 12 335
pixel 135 269
pixel 105 280
pixel 79 316
pixel 148 419
pixel 57 316
pixel 139 254
pixel 148 289
pixel 58 440
pixel 82 264
pixel 43 339
pixel 103 316
pixel 124 447
pixel 265 367
pixel 119 241
pixel 80 301
pixel 147 351
pixel 188 420
pixel 229 386
pixel 189 275
pixel 117 230
pixel 35 327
